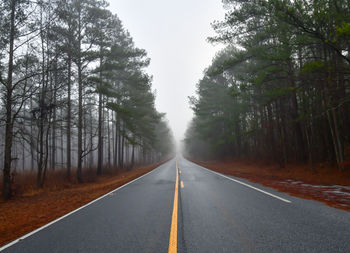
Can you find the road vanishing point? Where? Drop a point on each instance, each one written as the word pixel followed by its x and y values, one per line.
pixel 183 207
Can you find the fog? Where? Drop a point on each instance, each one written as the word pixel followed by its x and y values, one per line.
pixel 174 34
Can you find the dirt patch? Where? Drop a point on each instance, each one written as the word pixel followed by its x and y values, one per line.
pixel 323 183
pixel 32 208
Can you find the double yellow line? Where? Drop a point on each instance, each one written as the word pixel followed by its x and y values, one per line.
pixel 173 229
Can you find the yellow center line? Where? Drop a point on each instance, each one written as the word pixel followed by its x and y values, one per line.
pixel 173 229
pixel 182 184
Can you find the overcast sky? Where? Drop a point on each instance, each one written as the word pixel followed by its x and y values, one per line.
pixel 174 35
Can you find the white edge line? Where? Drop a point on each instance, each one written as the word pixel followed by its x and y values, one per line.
pixel 257 189
pixel 76 210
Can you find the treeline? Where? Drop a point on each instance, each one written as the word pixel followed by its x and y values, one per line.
pixel 74 91
pixel 279 91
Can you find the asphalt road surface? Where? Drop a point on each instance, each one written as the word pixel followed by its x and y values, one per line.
pixel 203 212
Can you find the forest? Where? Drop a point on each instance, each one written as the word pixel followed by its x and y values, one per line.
pixel 279 91
pixel 75 93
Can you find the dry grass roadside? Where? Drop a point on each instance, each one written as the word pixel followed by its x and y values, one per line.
pixel 326 184
pixel 32 208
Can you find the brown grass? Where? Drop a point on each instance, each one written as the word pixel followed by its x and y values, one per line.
pixel 281 179
pixel 32 207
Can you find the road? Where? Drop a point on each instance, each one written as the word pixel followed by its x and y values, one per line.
pixel 212 213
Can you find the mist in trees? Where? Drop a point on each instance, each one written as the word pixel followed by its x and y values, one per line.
pixel 279 91
pixel 74 92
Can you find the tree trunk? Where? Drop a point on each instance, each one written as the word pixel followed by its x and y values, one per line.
pixel 113 138
pixel 116 154
pixel 100 126
pixel 132 156
pixel 108 140
pixel 338 141
pixel 80 103
pixel 62 141
pixel 69 111
pixel 31 139
pixel 80 124
pixel 91 140
pixel 41 148
pixel 54 99
pixel 46 156
pixel 119 146
pixel 122 151
pixel 6 187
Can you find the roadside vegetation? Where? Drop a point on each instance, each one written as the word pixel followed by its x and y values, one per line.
pixel 279 92
pixel 74 93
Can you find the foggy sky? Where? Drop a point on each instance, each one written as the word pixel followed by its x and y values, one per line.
pixel 174 35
